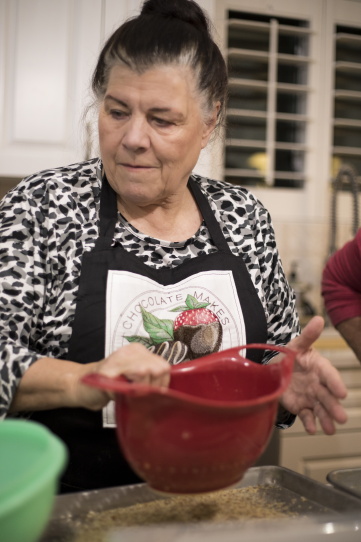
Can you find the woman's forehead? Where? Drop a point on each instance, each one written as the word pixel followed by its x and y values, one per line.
pixel 160 87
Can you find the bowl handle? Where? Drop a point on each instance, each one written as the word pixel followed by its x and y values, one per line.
pixel 120 384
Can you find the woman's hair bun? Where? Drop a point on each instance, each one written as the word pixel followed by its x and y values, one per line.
pixel 185 10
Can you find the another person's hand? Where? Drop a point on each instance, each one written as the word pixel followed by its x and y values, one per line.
pixel 316 386
pixel 134 362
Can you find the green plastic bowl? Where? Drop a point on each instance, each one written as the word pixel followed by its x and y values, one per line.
pixel 31 461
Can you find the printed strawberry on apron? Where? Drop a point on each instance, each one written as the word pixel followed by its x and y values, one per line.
pixel 195 332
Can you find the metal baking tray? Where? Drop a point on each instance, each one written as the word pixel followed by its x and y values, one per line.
pixel 348 480
pixel 301 495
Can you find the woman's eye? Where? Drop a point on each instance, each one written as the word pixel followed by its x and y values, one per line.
pixel 162 122
pixel 116 114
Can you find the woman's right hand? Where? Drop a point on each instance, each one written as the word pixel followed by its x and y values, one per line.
pixel 133 361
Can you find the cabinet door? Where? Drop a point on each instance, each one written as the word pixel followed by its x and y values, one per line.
pixel 318 469
pixel 47 51
pixel 316 456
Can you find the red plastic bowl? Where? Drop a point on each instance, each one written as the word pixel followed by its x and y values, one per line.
pixel 204 431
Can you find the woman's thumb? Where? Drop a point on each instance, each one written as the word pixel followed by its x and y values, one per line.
pixel 308 335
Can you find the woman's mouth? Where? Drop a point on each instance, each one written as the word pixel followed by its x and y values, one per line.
pixel 133 167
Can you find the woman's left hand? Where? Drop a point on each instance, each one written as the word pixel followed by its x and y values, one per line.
pixel 316 386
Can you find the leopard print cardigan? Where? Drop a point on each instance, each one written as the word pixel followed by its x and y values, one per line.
pixel 51 218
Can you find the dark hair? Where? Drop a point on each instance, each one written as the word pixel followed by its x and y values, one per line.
pixel 167 32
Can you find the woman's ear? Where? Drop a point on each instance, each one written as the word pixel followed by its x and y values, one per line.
pixel 210 125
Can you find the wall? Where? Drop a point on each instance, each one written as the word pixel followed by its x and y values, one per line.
pixel 307 244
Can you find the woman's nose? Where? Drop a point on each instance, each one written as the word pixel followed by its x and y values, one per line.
pixel 136 135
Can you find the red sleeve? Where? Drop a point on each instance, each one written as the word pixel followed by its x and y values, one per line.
pixel 341 282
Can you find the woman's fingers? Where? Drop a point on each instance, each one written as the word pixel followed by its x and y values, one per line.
pixel 161 380
pixel 327 409
pixel 134 362
pixel 331 405
pixel 161 374
pixel 308 419
pixel 330 389
pixel 137 364
pixel 331 378
pixel 154 372
pixel 326 421
pixel 308 335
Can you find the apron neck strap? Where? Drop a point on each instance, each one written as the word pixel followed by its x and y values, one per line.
pixel 108 214
pixel 211 222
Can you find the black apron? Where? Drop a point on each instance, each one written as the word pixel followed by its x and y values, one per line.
pixel 95 459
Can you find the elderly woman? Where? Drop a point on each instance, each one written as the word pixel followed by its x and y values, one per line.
pixel 129 263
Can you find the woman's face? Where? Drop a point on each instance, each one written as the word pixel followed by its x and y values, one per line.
pixel 151 133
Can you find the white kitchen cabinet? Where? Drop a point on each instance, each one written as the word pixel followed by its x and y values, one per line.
pixel 48 50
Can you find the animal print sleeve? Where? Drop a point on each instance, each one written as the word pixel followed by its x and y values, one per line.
pixel 282 318
pixel 249 233
pixel 22 284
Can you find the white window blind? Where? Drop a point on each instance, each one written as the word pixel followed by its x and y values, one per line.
pixel 347 99
pixel 266 137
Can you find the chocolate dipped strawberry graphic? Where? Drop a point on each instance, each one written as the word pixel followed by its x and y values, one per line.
pixel 195 332
pixel 161 340
pixel 198 328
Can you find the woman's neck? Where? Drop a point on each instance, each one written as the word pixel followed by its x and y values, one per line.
pixel 174 219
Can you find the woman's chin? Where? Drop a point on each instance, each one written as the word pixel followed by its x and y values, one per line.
pixel 139 195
